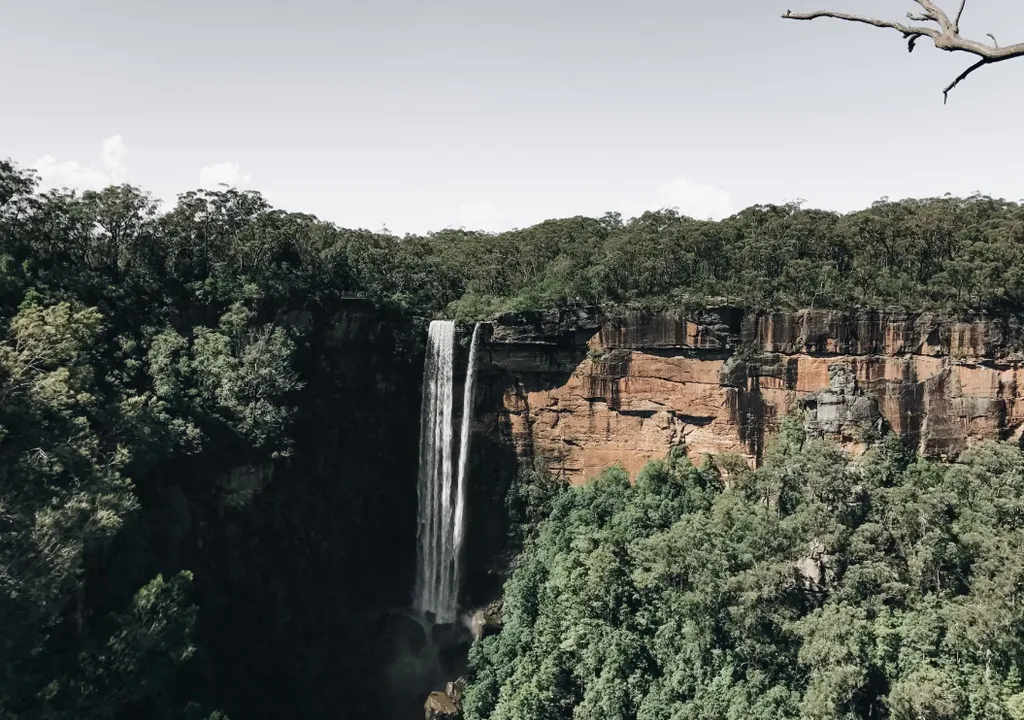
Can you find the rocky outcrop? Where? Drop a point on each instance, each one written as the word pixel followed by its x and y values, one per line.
pixel 485 621
pixel 446 705
pixel 585 390
pixel 842 411
pixel 815 570
pixel 241 484
pixel 440 706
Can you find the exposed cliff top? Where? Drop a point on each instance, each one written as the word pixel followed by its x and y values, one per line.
pixel 890 331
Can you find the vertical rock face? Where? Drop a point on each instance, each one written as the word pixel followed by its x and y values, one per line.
pixel 585 391
pixel 304 556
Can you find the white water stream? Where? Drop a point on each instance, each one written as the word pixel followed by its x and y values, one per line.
pixel 440 530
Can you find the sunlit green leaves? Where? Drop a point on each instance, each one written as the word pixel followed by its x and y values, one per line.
pixel 816 587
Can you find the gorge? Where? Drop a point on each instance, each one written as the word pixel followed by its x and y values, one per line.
pixel 245 478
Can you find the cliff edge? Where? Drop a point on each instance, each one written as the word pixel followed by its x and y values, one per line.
pixel 586 389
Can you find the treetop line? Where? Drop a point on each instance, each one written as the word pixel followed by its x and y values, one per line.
pixel 945 37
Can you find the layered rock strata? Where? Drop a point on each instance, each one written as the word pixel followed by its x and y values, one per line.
pixel 585 390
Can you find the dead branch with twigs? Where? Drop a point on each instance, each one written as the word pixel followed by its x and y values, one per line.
pixel 943 32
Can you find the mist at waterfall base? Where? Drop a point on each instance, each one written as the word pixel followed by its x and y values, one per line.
pixel 428 644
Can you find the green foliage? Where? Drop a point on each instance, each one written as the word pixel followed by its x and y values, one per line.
pixel 64 496
pixel 813 587
pixel 237 374
pixel 947 254
pixel 94 399
pixel 149 641
pixel 530 499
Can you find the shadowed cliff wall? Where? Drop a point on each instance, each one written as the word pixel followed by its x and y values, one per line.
pixel 298 570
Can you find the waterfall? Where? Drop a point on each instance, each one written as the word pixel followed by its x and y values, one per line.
pixel 467 417
pixel 439 532
pixel 433 488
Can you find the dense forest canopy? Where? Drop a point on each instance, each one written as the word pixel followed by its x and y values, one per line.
pixel 946 254
pixel 148 353
pixel 814 587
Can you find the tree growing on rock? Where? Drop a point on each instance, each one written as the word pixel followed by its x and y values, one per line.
pixel 934 23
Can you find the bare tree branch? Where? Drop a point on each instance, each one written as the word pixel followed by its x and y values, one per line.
pixel 945 37
pixel 935 13
pixel 959 14
pixel 961 76
pixel 905 29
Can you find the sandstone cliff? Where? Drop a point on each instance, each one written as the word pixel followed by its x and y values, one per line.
pixel 586 390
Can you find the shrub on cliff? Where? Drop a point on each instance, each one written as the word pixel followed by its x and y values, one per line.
pixel 814 587
pixel 530 499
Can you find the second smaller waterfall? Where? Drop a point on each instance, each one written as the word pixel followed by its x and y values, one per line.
pixel 468 397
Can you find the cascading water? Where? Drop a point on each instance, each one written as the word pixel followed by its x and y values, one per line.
pixel 467 417
pixel 441 507
pixel 435 471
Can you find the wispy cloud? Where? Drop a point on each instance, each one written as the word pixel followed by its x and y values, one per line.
pixel 702 202
pixel 75 176
pixel 226 173
pixel 471 215
pixel 113 157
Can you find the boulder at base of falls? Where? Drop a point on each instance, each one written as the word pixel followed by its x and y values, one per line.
pixel 445 705
pixel 440 707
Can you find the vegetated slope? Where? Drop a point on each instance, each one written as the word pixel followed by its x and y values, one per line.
pixel 812 587
pixel 204 486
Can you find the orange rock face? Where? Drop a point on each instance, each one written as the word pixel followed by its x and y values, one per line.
pixel 585 395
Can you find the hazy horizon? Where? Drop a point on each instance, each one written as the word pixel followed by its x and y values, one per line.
pixel 488 116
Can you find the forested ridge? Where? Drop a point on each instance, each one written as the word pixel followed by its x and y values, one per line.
pixel 944 254
pixel 148 354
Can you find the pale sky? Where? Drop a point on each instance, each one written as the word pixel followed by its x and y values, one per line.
pixel 493 114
